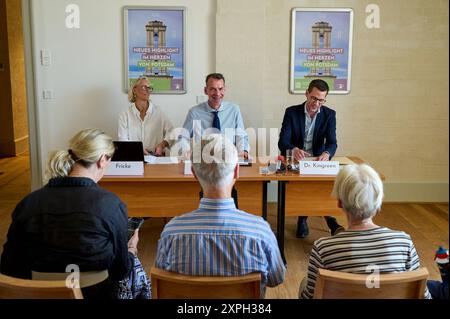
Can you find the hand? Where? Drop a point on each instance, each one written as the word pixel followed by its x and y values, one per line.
pixel 133 242
pixel 159 150
pixel 324 157
pixel 299 154
pixel 244 155
pixel 146 151
pixel 187 155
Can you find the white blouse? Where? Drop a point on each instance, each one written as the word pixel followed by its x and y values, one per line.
pixel 155 127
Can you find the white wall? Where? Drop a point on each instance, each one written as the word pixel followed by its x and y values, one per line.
pixel 396 116
pixel 87 72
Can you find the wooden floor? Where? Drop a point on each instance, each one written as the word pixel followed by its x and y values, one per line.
pixel 426 223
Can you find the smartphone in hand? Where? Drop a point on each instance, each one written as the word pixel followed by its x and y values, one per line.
pixel 133 224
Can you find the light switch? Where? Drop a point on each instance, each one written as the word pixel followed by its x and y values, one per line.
pixel 46 57
pixel 48 94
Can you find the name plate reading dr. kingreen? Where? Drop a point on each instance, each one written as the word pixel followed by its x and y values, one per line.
pixel 319 168
pixel 125 168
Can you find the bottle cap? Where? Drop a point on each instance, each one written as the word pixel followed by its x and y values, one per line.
pixel 441 256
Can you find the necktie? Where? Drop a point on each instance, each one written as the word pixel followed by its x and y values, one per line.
pixel 216 121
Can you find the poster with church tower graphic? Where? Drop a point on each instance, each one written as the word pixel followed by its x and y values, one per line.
pixel 321 48
pixel 154 47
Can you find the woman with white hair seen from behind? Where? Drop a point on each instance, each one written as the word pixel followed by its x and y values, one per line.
pixel 72 222
pixel 144 121
pixel 359 193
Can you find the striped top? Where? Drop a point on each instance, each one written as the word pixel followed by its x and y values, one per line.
pixel 219 240
pixel 353 250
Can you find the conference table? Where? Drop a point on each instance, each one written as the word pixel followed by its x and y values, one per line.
pixel 165 191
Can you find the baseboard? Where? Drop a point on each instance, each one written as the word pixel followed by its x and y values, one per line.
pixel 13 148
pixel 22 145
pixel 416 192
pixel 399 192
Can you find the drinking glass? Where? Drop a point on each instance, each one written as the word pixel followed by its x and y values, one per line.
pixel 289 160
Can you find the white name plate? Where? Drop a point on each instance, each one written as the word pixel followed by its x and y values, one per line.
pixel 187 167
pixel 319 167
pixel 125 168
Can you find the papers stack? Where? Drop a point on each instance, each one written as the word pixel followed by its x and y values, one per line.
pixel 150 159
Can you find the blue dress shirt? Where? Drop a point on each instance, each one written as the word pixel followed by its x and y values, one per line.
pixel 231 123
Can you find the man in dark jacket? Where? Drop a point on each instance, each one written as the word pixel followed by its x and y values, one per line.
pixel 309 129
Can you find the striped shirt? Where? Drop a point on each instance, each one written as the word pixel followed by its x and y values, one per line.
pixel 354 250
pixel 219 240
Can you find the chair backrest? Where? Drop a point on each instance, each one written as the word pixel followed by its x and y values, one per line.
pixel 86 278
pixel 341 285
pixel 171 285
pixel 15 288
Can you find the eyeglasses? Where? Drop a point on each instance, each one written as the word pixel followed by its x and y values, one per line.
pixel 145 88
pixel 321 101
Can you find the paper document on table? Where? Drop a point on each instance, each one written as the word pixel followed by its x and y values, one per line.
pixel 150 159
pixel 343 160
pixel 244 162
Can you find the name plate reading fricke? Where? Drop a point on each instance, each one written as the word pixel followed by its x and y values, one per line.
pixel 319 168
pixel 125 168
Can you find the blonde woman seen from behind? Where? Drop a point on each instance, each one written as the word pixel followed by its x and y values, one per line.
pixel 72 221
pixel 144 121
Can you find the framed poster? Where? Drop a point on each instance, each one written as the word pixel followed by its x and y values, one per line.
pixel 154 45
pixel 321 48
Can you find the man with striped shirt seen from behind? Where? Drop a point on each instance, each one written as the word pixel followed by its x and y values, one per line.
pixel 217 239
pixel 359 193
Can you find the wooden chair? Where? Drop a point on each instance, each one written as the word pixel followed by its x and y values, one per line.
pixel 171 285
pixel 341 285
pixel 15 288
pixel 86 278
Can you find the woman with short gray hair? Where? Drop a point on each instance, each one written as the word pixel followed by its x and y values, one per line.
pixel 359 192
